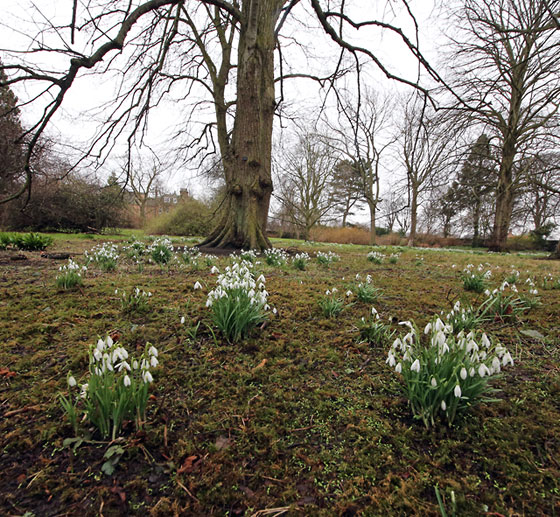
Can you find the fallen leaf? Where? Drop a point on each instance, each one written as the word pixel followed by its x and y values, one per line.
pixel 260 365
pixel 188 465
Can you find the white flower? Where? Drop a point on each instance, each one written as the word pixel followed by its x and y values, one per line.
pixel 182 320
pixel 274 311
pixel 126 380
pixel 457 391
pixel 214 270
pixel 415 366
pixel 428 328
pixel 109 341
pixel 391 360
pixel 71 381
pixel 398 368
pixel 153 351
pixel 440 326
pixel 97 354
pixel 135 364
pixel 443 405
pixel 483 370
pixel 197 285
pixel 434 382
pixel 147 377
pixel 463 373
pixel 348 293
pixel 153 361
pixel 100 345
pixel 485 341
pixel 471 372
pixel 507 359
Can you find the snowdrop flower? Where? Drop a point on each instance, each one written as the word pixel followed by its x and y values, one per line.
pixel 83 393
pixel 434 382
pixel 415 366
pixel 485 341
pixel 147 377
pixel 214 270
pixel 507 359
pixel 327 292
pixel 428 328
pixel 440 326
pixel 443 405
pixel 153 351
pixel 126 380
pixel 463 373
pixel 406 324
pixel 471 372
pixel 348 293
pixel 71 381
pixel 391 360
pixel 274 311
pixel 109 341
pixel 100 345
pixel 197 285
pixel 182 320
pixel 483 370
pixel 457 391
pixel 135 364
pixel 153 361
pixel 496 365
pixel 97 354
pixel 398 368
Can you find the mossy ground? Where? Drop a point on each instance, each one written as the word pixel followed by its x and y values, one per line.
pixel 300 416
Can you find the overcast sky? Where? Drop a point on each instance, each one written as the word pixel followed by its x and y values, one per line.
pixel 77 122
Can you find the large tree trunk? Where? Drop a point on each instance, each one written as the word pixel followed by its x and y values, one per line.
pixel 476 222
pixel 372 235
pixel 504 197
pixel 248 165
pixel 556 253
pixel 413 216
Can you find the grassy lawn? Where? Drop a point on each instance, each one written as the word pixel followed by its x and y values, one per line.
pixel 301 417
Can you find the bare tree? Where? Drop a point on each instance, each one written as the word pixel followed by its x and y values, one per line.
pixel 425 150
pixel 362 136
pixel 305 182
pixel 508 73
pixel 144 180
pixel 163 46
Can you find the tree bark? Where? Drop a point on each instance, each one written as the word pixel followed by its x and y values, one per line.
pixel 413 216
pixel 504 196
pixel 476 222
pixel 247 166
pixel 372 235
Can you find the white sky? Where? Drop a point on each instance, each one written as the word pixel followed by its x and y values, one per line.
pixel 76 123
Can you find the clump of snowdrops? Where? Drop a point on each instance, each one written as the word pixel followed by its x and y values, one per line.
pixel 161 250
pixel 326 259
pixel 464 318
pixel 366 292
pixel 70 275
pixel 475 279
pixel 105 256
pixel 135 302
pixel 275 257
pixel 239 301
pixel 300 261
pixel 116 391
pixel 505 302
pixel 375 257
pixel 331 304
pixel 445 372
pixel 374 331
